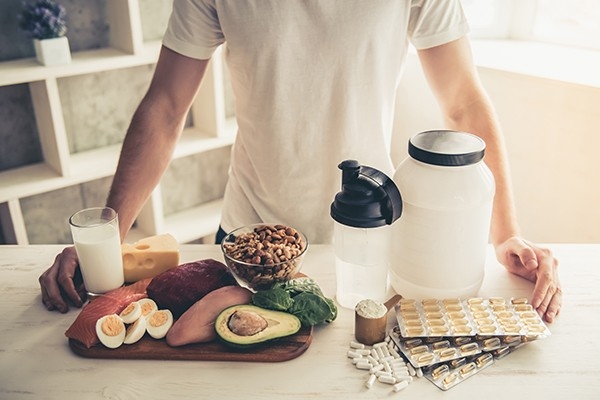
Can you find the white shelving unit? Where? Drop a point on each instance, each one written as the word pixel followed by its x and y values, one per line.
pixel 61 169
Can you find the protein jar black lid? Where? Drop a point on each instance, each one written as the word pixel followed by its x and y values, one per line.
pixel 446 148
pixel 368 199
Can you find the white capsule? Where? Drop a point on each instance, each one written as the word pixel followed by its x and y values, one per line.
pixel 372 360
pixel 370 381
pixel 394 353
pixel 411 369
pixel 363 365
pixel 353 354
pixel 374 354
pixel 376 368
pixel 363 352
pixel 390 380
pixel 356 345
pixel 400 385
pixel 419 372
pixel 383 373
pixel 356 360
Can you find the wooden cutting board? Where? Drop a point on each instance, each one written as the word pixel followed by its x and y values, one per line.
pixel 147 348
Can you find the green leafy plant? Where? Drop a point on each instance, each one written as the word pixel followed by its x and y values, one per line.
pixel 43 19
pixel 300 296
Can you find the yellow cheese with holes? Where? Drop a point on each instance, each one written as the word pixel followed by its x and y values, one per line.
pixel 150 256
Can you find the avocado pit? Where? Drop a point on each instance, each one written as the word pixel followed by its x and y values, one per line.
pixel 246 323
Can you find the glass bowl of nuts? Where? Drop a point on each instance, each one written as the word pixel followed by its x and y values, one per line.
pixel 262 255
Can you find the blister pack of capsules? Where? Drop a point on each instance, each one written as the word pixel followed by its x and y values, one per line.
pixel 495 316
pixel 452 340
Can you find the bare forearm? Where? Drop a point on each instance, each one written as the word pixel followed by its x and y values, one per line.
pixel 146 152
pixel 479 118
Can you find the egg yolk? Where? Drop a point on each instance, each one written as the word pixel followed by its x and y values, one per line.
pixel 147 308
pixel 129 309
pixel 158 318
pixel 111 326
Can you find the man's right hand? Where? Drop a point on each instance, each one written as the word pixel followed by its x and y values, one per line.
pixel 62 283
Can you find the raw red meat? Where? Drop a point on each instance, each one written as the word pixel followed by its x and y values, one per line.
pixel 180 287
pixel 83 329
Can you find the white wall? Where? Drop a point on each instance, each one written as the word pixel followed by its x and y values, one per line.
pixel 552 131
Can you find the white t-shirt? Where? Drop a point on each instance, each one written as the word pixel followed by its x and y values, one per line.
pixel 314 84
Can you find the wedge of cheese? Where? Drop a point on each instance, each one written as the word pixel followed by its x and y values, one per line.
pixel 150 256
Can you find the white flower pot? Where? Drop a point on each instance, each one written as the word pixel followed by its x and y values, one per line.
pixel 54 51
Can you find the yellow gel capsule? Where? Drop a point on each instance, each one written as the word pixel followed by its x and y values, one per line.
pixel 414 330
pixel 459 341
pixel 536 329
pixel 523 307
pixel 481 314
pixel 475 300
pixel 410 314
pixel 440 371
pixel 451 302
pixel 436 322
pixel 461 329
pixel 529 314
pixel 487 329
pixel 491 343
pixel 412 343
pixel 458 322
pixel 468 369
pixel 444 344
pixel 504 314
pixel 511 339
pixel 501 352
pixel 469 348
pixel 431 308
pixel 497 300
pixel 484 360
pixel 434 315
pixel 498 308
pixel 447 353
pixel 439 329
pixel 457 363
pixel 484 321
pixel 412 322
pixel 477 307
pixel 512 329
pixel 453 307
pixel 456 315
pixel 425 358
pixel 449 380
pixel 419 349
pixel 507 321
pixel 520 300
pixel 429 302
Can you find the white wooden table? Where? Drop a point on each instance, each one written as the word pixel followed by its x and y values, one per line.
pixel 36 362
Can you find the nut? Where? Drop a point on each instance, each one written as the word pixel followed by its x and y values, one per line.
pixel 271 249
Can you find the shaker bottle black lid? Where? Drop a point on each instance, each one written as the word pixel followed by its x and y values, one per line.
pixel 369 198
pixel 446 148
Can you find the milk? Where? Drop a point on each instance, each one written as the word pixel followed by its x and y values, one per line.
pixel 100 260
pixel 96 236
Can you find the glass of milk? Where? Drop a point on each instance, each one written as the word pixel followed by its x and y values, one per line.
pixel 96 236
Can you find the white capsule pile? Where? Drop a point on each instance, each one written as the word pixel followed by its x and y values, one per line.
pixel 383 363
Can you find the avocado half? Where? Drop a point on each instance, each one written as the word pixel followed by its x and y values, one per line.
pixel 248 325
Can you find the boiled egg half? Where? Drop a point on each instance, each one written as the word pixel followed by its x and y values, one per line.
pixel 135 331
pixel 148 307
pixel 159 323
pixel 111 331
pixel 131 313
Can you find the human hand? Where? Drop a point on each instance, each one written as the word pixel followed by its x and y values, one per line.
pixel 62 283
pixel 538 265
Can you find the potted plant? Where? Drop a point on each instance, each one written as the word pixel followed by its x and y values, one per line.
pixel 44 21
